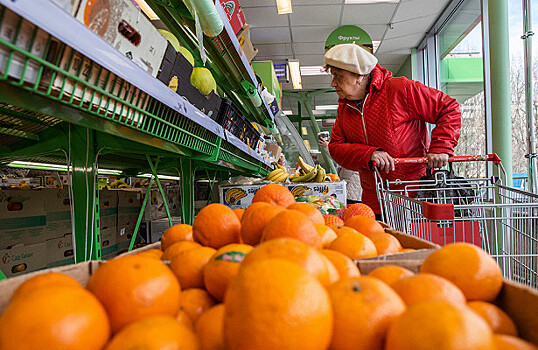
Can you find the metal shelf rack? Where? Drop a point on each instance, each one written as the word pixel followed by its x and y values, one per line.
pixel 98 107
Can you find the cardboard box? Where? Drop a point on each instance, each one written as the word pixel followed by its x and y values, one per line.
pixel 60 251
pixel 156 228
pixel 410 260
pixel 335 188
pixel 122 25
pixel 22 217
pixel 58 213
pixel 518 301
pixel 235 14
pixel 22 259
pixel 155 208
pixel 273 149
pixel 246 45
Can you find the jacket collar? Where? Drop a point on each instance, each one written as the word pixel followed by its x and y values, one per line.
pixel 378 77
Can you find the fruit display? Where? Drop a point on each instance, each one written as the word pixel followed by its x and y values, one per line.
pixel 278 275
pixel 305 173
pixel 309 173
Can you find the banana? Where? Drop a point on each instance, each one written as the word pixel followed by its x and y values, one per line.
pixel 274 174
pixel 281 177
pixel 124 186
pixel 308 177
pixel 320 177
pixel 307 167
pixel 116 184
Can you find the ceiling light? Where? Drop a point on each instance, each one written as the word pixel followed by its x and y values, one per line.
pixel 318 112
pixel 304 131
pixel 161 177
pixel 55 167
pixel 147 10
pixel 288 112
pixel 307 145
pixel 313 70
pixel 351 2
pixel 295 71
pixel 283 6
pixel 375 44
pixel 327 107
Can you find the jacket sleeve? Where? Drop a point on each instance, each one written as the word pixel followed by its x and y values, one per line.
pixel 435 107
pixel 352 156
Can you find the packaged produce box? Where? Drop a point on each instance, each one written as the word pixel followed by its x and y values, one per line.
pixel 235 14
pixel 124 27
pixel 60 251
pixel 336 189
pixel 22 217
pixel 22 259
pixel 240 196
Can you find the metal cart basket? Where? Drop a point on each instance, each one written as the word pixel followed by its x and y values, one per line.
pixel 482 211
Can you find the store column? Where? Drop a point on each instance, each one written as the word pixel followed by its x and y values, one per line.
pixel 500 83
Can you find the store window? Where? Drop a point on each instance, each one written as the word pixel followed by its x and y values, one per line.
pixel 517 87
pixel 460 61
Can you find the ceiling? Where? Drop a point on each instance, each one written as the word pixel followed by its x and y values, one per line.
pixel 301 35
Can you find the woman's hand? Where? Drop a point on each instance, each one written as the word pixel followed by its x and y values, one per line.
pixel 437 160
pixel 383 161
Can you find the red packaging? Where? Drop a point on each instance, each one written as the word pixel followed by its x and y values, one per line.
pixel 235 14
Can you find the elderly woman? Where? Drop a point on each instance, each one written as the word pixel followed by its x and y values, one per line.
pixel 381 117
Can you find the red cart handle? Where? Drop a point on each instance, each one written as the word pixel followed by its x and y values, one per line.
pixel 486 157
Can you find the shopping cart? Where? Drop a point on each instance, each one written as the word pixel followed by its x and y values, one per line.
pixel 482 211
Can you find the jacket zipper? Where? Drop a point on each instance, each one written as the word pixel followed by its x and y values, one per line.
pixel 362 118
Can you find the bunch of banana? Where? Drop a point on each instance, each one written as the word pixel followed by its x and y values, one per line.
pixel 308 173
pixel 278 175
pixel 119 184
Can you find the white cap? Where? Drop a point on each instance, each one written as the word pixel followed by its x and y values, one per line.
pixel 351 57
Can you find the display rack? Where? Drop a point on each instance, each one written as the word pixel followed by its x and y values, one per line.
pixel 62 115
pixel 226 59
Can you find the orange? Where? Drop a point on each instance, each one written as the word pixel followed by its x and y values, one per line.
pixel 363 309
pixel 426 286
pixel 152 253
pixel 309 210
pixel 189 266
pixel 184 319
pixel 54 317
pixel 154 333
pixel 326 233
pixel 210 329
pixel 133 287
pixel 239 213
pixel 223 267
pixel 295 251
pixel 177 248
pixel 358 209
pixel 406 250
pixel 343 229
pixel 333 221
pixel 176 233
pixel 274 194
pixel 274 304
pixel 497 319
pixel 44 280
pixel 292 224
pixel 344 265
pixel 468 267
pixel 390 273
pixel 255 219
pixel 364 224
pixel 354 245
pixel 385 243
pixel 508 342
pixel 194 301
pixel 439 325
pixel 216 225
pixel 332 272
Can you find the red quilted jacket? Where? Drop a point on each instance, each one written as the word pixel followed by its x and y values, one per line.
pixel 394 118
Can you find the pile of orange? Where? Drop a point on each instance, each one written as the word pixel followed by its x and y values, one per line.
pixel 277 275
